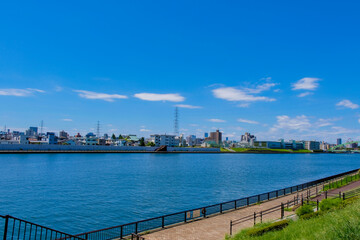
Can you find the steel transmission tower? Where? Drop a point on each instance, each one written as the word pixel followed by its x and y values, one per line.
pixel 41 127
pixel 176 122
pixel 98 129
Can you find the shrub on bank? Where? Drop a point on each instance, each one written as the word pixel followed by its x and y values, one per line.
pixel 306 209
pixel 328 204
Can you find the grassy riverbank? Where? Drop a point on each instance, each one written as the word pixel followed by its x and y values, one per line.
pixel 342 221
pixel 268 150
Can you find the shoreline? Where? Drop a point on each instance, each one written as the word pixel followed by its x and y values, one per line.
pixel 172 152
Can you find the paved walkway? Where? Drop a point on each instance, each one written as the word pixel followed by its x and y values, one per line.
pixel 215 228
pixel 334 192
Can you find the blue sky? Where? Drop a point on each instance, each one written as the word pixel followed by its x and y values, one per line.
pixel 275 68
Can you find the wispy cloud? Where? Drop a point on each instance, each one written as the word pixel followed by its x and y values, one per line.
pixel 347 104
pixel 261 88
pixel 305 94
pixel 247 121
pixel 144 130
pixel 67 120
pixel 171 97
pixel 216 120
pixel 100 96
pixel 306 83
pixel 19 92
pixel 187 106
pixel 300 123
pixel 234 94
pixel 243 105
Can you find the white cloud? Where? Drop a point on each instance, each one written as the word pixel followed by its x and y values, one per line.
pixel 299 123
pixel 306 83
pixel 234 94
pixel 100 96
pixel 359 120
pixel 260 88
pixel 19 92
pixel 324 122
pixel 67 120
pixel 305 94
pixel 348 104
pixel 247 121
pixel 194 125
pixel 187 106
pixel 172 97
pixel 216 120
pixel 243 105
pixel 144 130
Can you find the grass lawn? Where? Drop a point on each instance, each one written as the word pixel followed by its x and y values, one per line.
pixel 268 150
pixel 341 223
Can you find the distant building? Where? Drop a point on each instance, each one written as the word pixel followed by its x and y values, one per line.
pixel 338 141
pixel 247 138
pixel 206 135
pixel 312 145
pixel 191 140
pixel 63 135
pixel 32 131
pixel 215 137
pixel 165 140
pixel 279 144
pixel 51 138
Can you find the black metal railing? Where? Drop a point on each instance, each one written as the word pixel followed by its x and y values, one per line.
pixel 126 230
pixel 257 217
pixel 15 228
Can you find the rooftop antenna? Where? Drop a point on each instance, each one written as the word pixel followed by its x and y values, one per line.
pixel 98 129
pixel 176 122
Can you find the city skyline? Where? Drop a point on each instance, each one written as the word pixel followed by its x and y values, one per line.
pixel 128 69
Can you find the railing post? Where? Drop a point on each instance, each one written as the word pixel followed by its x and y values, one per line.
pixel 343 196
pixel 317 205
pixel 340 194
pixel 247 201
pixel 268 196
pixel 184 218
pixel 261 216
pixel 163 222
pixel 86 236
pixel 230 227
pixel 6 226
pixel 235 204
pixel 136 227
pixel 326 195
pixel 277 193
pixel 220 207
pixel 258 198
pixel 121 232
pixel 254 218
pixel 282 210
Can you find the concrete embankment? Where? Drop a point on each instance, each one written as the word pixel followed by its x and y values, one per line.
pixel 32 148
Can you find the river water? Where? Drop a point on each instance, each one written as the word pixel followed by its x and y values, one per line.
pixel 76 193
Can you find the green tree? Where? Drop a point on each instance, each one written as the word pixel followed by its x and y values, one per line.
pixel 120 137
pixel 113 136
pixel 150 144
pixel 142 142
